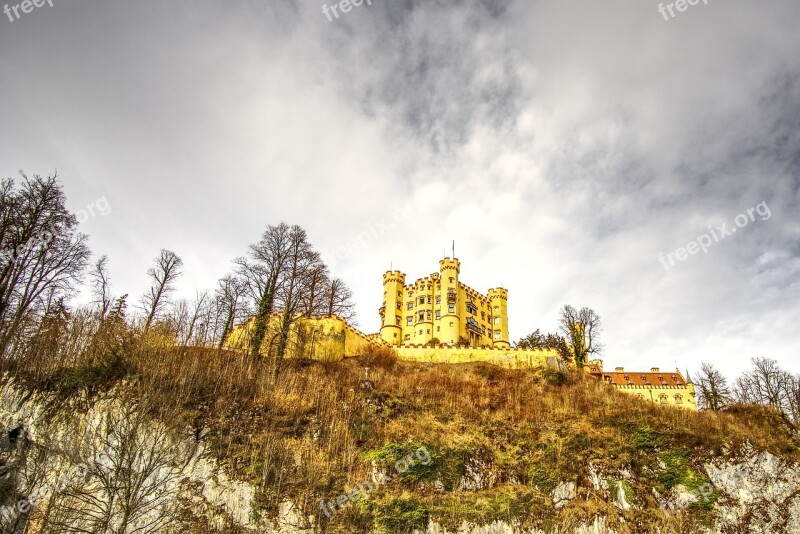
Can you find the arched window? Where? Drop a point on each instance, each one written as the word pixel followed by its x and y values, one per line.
pixel 678 398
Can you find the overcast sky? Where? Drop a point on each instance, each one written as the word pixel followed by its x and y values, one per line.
pixel 563 145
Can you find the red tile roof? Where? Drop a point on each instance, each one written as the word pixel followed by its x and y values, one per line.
pixel 642 379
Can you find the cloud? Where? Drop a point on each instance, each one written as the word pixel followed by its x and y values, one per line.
pixel 562 145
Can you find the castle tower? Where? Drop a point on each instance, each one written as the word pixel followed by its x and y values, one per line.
pixel 499 302
pixel 391 310
pixel 450 324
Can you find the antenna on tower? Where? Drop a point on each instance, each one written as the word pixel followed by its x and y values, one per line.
pixel 454 249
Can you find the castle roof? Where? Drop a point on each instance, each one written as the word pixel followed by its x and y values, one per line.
pixel 636 378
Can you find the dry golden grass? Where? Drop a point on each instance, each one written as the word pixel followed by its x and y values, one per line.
pixel 304 439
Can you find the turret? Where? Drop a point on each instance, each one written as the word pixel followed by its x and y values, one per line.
pixel 449 269
pixel 391 309
pixel 499 303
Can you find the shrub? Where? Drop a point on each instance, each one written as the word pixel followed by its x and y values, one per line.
pixel 390 456
pixel 383 357
pixel 93 377
pixel 554 378
pixel 402 516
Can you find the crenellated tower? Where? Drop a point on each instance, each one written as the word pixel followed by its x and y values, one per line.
pixel 391 310
pixel 450 330
pixel 499 302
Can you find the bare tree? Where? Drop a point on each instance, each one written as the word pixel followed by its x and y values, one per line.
pixel 338 300
pixel 101 287
pixel 767 383
pixel 130 477
pixel 230 303
pixel 582 329
pixel 198 309
pixel 41 253
pixel 263 275
pixel 163 274
pixel 302 262
pixel 713 388
pixel 793 399
pixel 316 282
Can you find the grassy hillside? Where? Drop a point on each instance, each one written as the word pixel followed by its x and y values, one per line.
pixel 499 441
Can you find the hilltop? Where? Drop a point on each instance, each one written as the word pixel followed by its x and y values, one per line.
pixel 504 450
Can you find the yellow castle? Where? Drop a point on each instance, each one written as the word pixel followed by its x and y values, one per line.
pixel 443 310
pixel 438 319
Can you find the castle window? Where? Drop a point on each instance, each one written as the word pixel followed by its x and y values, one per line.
pixel 422 316
pixel 438 328
pixel 451 323
pixel 429 300
pixel 409 320
pixel 471 308
pixel 410 293
pixel 399 293
pixel 483 316
pixel 422 300
pixel 662 397
pixel 483 330
pixel 408 337
pixel 428 315
pixel 420 332
pixel 497 334
pixel 678 398
pixel 399 305
pixel 496 309
pixel 397 320
pixel 438 314
pixel 451 279
pixel 410 306
pixel 497 320
pixel 627 378
pixel 429 330
pixel 438 299
pixel 451 308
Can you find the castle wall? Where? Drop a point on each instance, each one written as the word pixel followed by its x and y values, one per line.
pixel 357 343
pixel 316 337
pixel 509 358
pixel 330 338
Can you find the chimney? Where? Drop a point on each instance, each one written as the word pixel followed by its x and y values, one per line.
pixel 619 369
pixel 655 370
